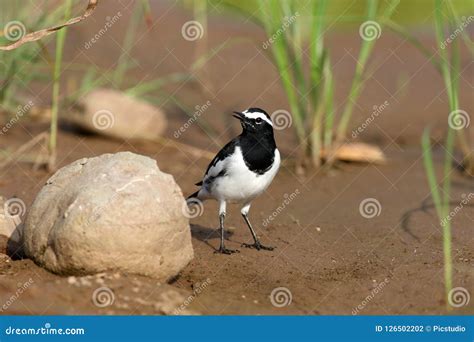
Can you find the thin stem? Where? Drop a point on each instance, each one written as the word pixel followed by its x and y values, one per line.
pixel 60 40
pixel 124 59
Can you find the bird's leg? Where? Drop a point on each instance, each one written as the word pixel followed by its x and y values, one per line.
pixel 222 249
pixel 257 245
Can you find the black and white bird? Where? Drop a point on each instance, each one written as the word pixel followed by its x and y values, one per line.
pixel 242 171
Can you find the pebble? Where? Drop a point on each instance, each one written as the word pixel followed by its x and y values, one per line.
pixel 81 281
pixel 122 305
pixel 136 282
pixel 142 301
pixel 71 280
pixel 85 282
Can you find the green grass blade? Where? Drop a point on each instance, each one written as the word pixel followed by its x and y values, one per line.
pixel 405 34
pixel 60 40
pixel 202 60
pixel 445 71
pixel 156 84
pixel 128 41
pixel 365 51
pixel 452 88
pixel 329 101
pixel 270 11
pixel 316 50
pixel 430 172
pixel 464 33
pixel 356 86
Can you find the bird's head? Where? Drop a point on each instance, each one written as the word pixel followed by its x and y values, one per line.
pixel 255 120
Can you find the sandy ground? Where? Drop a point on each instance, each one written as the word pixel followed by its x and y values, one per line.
pixel 329 258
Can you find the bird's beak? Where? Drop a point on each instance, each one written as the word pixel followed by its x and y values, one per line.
pixel 239 116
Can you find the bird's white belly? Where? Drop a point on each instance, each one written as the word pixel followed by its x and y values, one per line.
pixel 241 184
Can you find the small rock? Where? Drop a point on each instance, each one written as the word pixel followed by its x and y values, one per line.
pixel 85 282
pixel 142 301
pixel 112 113
pixel 71 280
pixel 4 258
pixel 136 282
pixel 122 305
pixel 172 302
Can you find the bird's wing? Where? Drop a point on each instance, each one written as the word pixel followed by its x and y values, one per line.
pixel 217 166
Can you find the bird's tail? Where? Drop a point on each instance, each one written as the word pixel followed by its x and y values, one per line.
pixel 195 195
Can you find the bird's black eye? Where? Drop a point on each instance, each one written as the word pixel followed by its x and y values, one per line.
pixel 258 120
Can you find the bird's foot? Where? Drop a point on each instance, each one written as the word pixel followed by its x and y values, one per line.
pixel 258 246
pixel 223 250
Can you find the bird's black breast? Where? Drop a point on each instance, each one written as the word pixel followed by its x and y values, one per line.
pixel 258 152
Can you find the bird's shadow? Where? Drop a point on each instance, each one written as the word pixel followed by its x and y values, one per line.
pixel 205 234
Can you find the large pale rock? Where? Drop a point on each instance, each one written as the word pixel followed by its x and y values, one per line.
pixel 112 113
pixel 112 212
